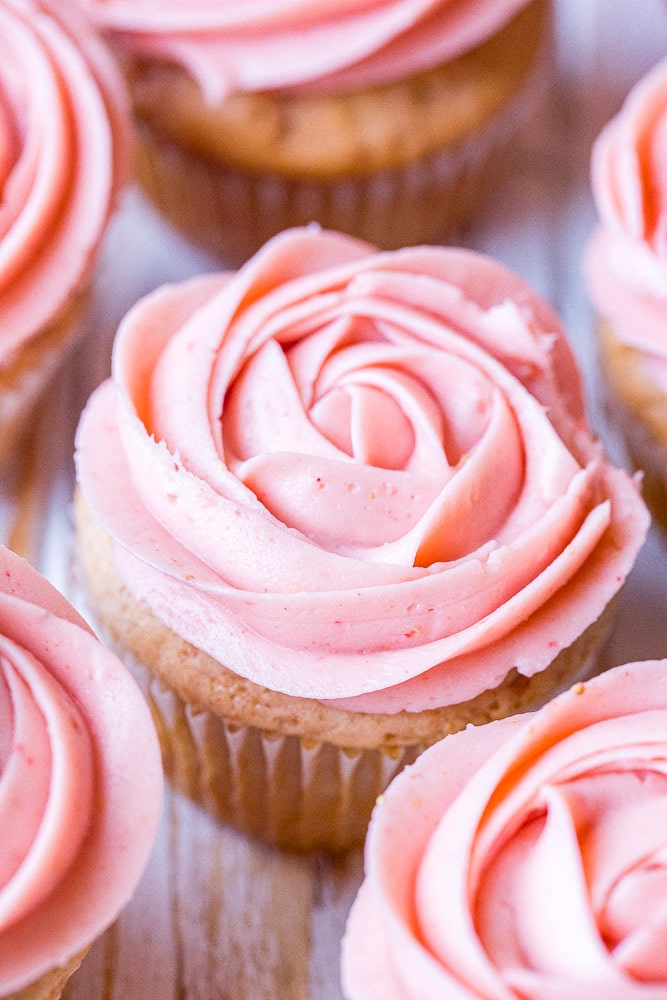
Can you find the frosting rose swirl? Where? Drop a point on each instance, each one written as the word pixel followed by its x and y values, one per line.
pixel 627 258
pixel 270 44
pixel 358 476
pixel 64 146
pixel 524 859
pixel 80 780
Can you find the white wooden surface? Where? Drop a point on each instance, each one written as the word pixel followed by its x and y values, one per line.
pixel 217 916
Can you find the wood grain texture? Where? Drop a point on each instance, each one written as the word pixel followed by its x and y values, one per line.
pixel 218 916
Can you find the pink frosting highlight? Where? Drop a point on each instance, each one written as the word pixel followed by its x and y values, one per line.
pixel 80 780
pixel 626 262
pixel 64 148
pixel 357 476
pixel 524 859
pixel 268 44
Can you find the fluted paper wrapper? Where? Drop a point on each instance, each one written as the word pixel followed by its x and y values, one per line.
pixel 232 212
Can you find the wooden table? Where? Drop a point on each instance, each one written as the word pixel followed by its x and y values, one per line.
pixel 218 916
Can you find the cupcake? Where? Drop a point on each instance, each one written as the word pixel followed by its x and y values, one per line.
pixel 63 156
pixel 80 786
pixel 374 119
pixel 526 859
pixel 360 508
pixel 626 268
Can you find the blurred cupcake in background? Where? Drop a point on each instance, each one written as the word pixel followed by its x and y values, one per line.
pixel 626 270
pixel 376 119
pixel 80 785
pixel 64 155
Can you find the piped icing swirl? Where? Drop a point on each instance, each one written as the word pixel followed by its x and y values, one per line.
pixel 524 859
pixel 626 262
pixel 278 44
pixel 358 477
pixel 80 780
pixel 64 149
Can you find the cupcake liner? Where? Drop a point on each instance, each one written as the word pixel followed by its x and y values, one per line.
pixel 288 791
pixel 232 212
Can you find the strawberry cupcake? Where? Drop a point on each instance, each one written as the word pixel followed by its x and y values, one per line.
pixel 379 119
pixel 80 786
pixel 64 154
pixel 626 268
pixel 526 859
pixel 361 508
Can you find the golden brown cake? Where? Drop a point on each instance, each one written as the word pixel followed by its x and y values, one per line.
pixel 80 786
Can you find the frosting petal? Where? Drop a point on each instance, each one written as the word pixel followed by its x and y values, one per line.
pixel 64 147
pixel 300 43
pixel 626 262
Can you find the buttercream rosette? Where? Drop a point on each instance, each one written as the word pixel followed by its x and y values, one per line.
pixel 525 858
pixel 626 270
pixel 289 44
pixel 80 784
pixel 64 155
pixel 358 477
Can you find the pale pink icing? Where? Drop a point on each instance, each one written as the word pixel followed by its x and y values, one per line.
pixel 80 780
pixel 64 147
pixel 401 501
pixel 626 262
pixel 526 859
pixel 332 45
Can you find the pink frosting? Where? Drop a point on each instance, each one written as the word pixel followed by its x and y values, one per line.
pixel 525 859
pixel 358 476
pixel 327 44
pixel 64 146
pixel 80 780
pixel 626 262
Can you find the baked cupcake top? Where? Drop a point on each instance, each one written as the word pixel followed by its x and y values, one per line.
pixel 356 476
pixel 338 45
pixel 526 858
pixel 64 152
pixel 80 780
pixel 626 262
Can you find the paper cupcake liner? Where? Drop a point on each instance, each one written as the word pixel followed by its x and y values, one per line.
pixel 232 212
pixel 51 984
pixel 290 792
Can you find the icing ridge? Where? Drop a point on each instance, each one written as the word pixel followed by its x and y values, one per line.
pixel 78 817
pixel 64 152
pixel 565 805
pixel 335 45
pixel 356 476
pixel 626 262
